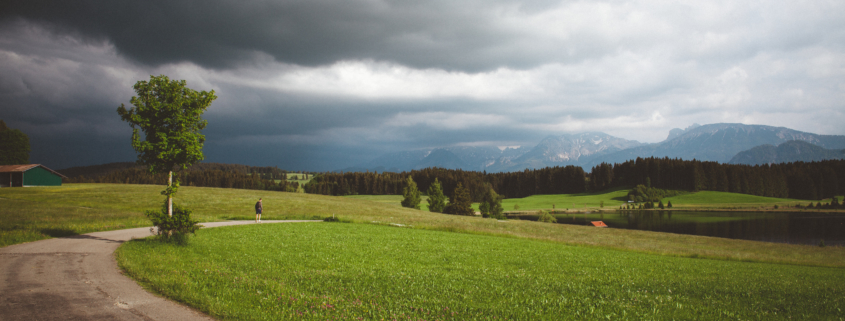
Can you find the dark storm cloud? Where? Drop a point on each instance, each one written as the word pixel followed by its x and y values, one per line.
pixel 223 34
pixel 322 85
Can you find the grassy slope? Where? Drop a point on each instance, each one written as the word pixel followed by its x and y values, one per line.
pixel 394 200
pixel 29 214
pixel 326 271
pixel 724 200
pixel 612 199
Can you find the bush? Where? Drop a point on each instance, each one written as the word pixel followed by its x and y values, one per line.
pixel 546 217
pixel 172 228
pixel 336 219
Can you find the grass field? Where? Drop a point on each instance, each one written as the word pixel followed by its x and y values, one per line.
pixel 29 214
pixel 723 200
pixel 437 267
pixel 395 200
pixel 612 199
pixel 328 271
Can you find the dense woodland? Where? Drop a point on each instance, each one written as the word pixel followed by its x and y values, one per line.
pixel 202 174
pixel 550 180
pixel 810 181
pixel 800 180
pixel 814 180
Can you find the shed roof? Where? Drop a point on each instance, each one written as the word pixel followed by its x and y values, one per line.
pixel 24 168
pixel 598 224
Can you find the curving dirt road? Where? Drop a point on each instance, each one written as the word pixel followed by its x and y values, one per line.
pixel 77 278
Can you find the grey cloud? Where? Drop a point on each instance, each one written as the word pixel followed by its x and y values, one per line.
pixel 463 35
pixel 66 66
pixel 223 34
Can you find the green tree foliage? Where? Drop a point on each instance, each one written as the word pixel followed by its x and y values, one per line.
pixel 491 205
pixel 551 180
pixel 641 193
pixel 436 199
pixel 412 195
pixel 546 217
pixel 601 177
pixel 816 180
pixel 14 146
pixel 460 203
pixel 169 114
pixel 173 227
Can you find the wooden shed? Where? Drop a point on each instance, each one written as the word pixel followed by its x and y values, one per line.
pixel 29 175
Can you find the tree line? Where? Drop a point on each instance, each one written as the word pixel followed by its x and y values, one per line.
pixel 799 180
pixel 811 181
pixel 14 146
pixel 550 180
pixel 203 175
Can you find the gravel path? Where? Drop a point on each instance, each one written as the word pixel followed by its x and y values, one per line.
pixel 77 278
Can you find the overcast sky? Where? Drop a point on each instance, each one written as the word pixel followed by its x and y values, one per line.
pixel 322 85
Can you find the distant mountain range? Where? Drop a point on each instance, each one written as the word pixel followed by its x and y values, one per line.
pixel 788 152
pixel 714 142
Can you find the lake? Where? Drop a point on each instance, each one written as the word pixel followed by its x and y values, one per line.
pixel 781 227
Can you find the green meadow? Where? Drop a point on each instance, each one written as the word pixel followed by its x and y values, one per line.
pixel 337 271
pixel 398 263
pixel 29 214
pixel 724 200
pixel 395 200
pixel 611 199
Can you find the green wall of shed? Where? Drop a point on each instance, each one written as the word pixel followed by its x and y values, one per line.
pixel 41 177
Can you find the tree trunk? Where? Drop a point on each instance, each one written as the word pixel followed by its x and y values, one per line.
pixel 170 197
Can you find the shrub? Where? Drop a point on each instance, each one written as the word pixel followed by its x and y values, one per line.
pixel 546 217
pixel 172 228
pixel 336 219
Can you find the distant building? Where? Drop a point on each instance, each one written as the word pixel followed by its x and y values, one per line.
pixel 29 175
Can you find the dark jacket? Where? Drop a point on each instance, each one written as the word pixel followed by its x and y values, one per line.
pixel 258 208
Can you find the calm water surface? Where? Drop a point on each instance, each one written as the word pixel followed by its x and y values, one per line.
pixel 782 227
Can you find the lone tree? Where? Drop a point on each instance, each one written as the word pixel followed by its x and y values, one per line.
pixel 491 205
pixel 169 114
pixel 14 146
pixel 460 203
pixel 436 199
pixel 412 194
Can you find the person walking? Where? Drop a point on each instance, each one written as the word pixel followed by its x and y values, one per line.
pixel 258 209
